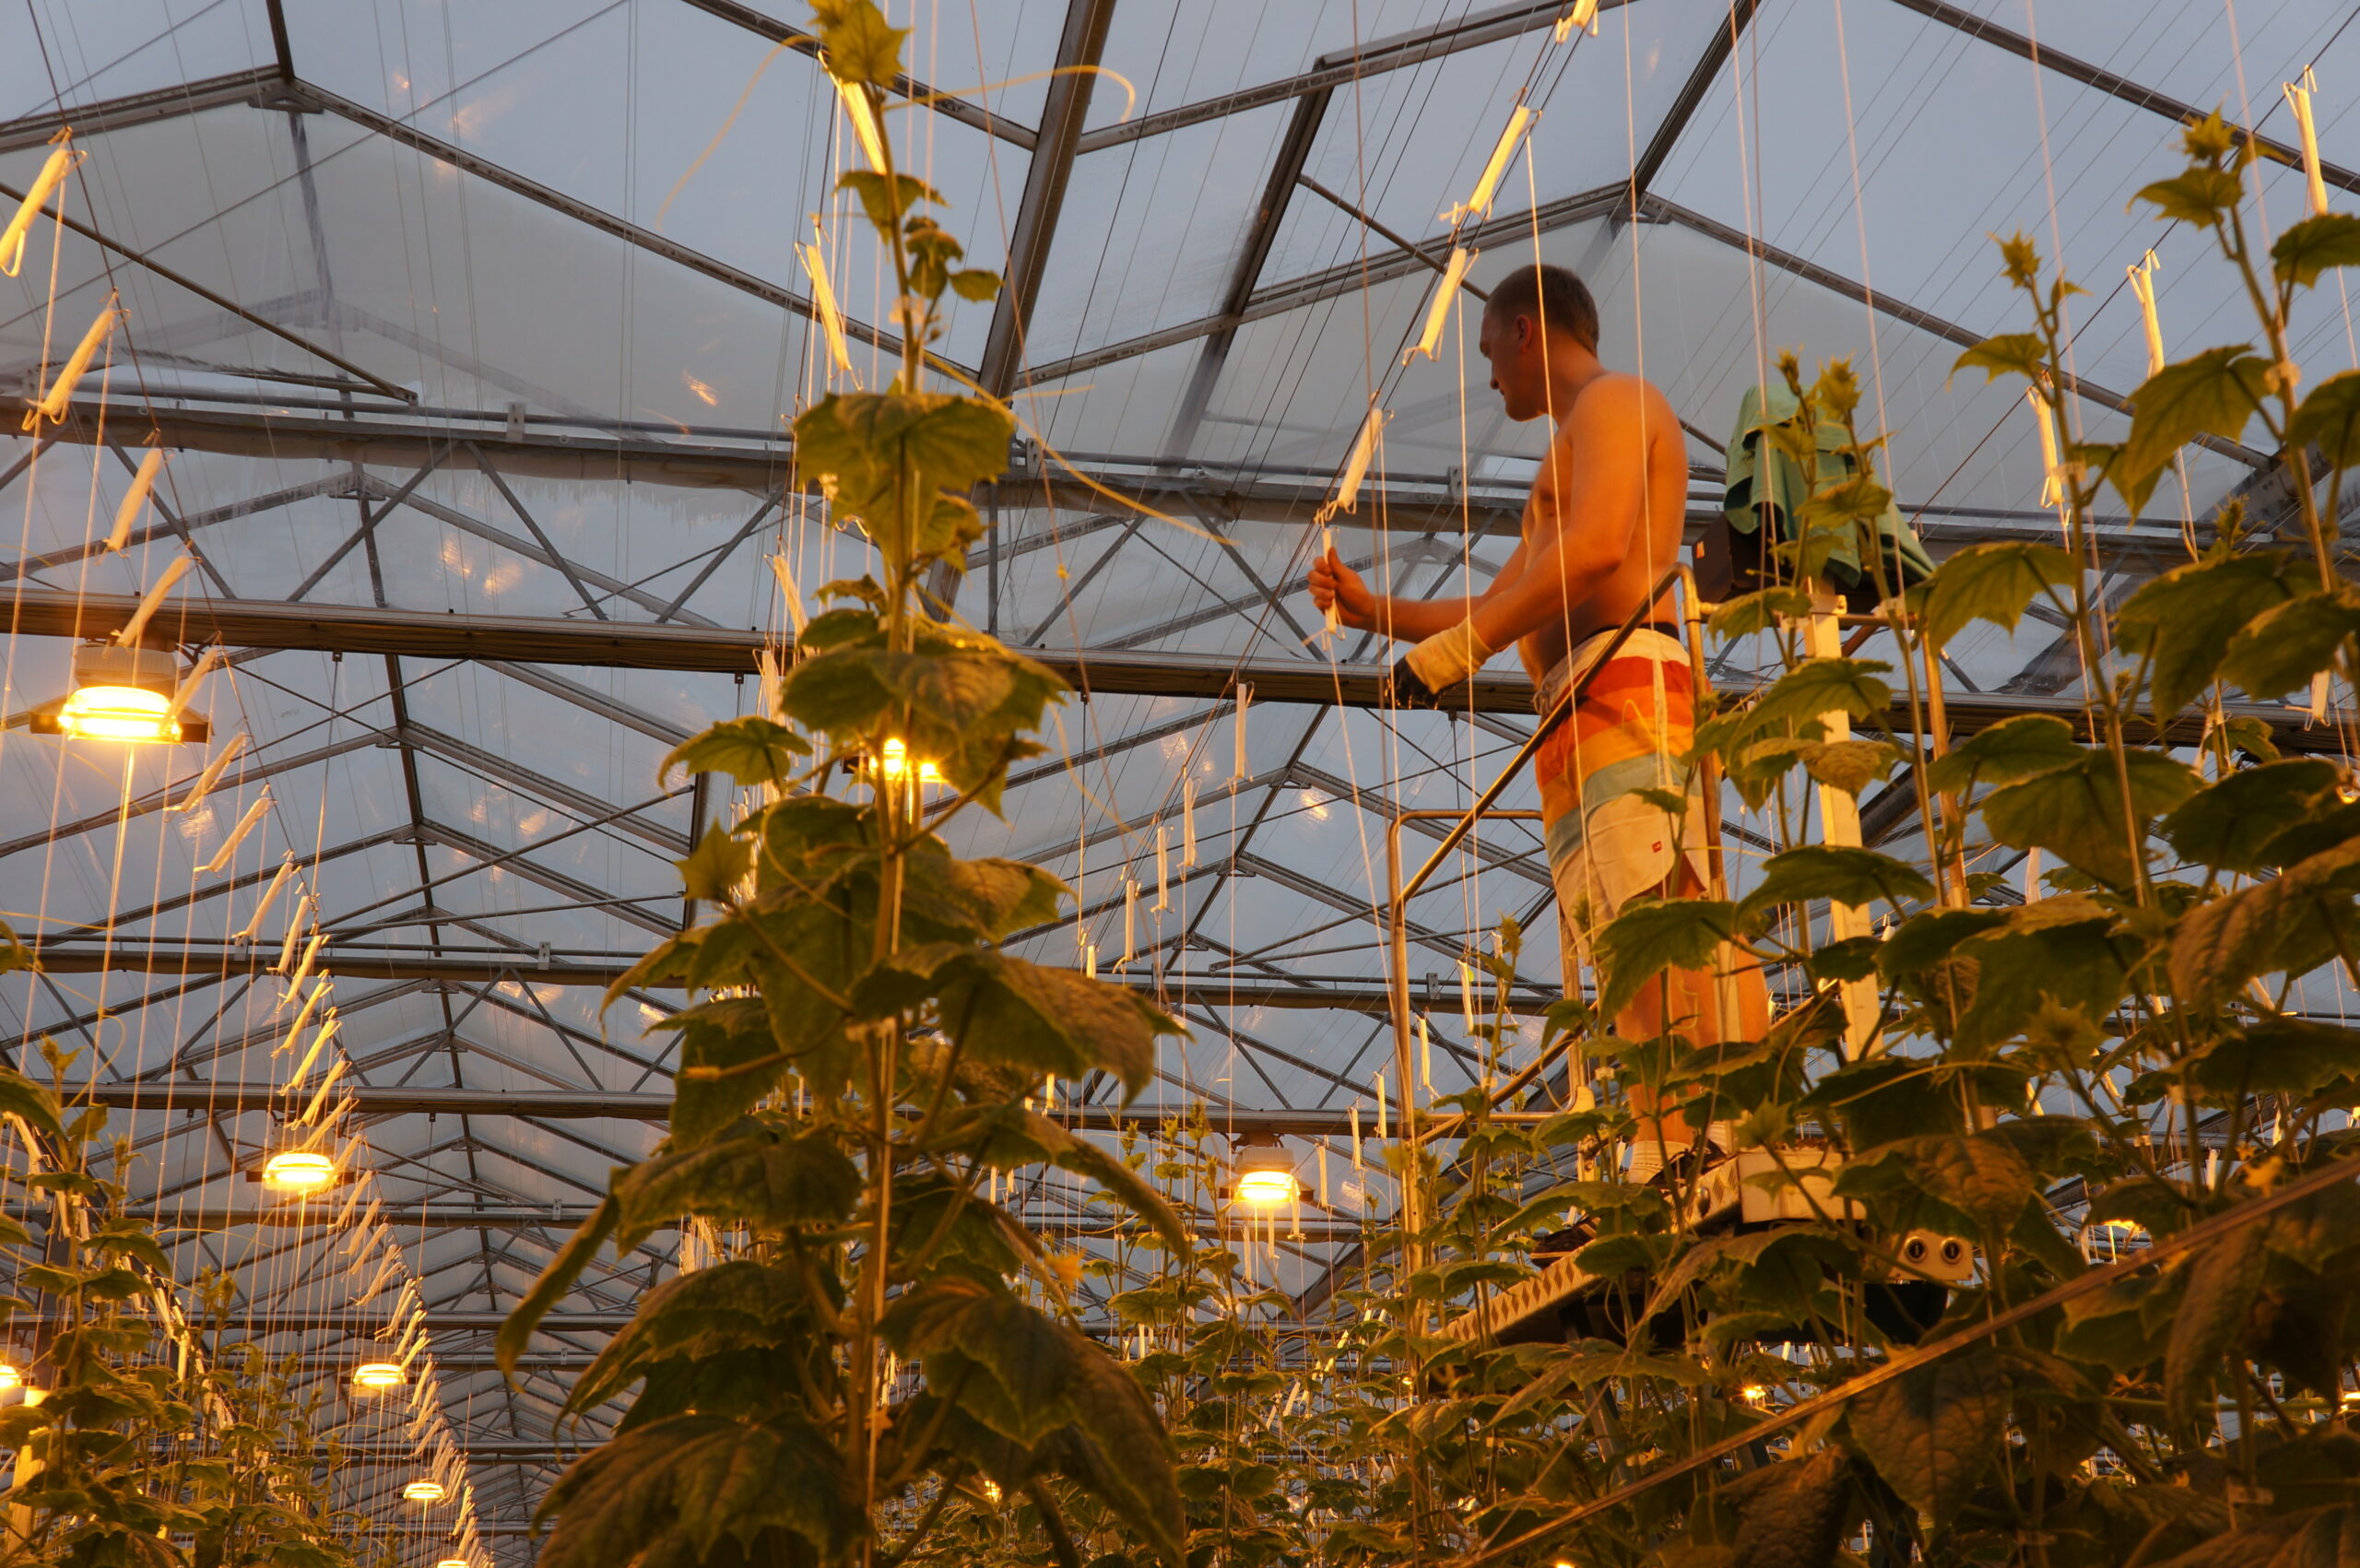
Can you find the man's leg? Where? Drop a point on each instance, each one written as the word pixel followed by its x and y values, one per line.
pixel 1688 1002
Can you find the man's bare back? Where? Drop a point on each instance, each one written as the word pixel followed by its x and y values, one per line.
pixel 1615 418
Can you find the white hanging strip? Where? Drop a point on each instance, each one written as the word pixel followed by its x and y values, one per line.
pixel 1331 621
pixel 2143 284
pixel 311 951
pixel 1467 994
pixel 2032 875
pixel 52 173
pixel 1382 1131
pixel 1130 920
pixel 134 499
pixel 1357 1165
pixel 1438 313
pixel 185 693
pixel 1163 870
pixel 335 1071
pixel 211 775
pixel 1245 699
pixel 295 923
pixel 1188 821
pixel 864 123
pixel 303 1016
pixel 1583 16
pixel 2298 96
pixel 328 1027
pixel 1347 487
pixel 237 835
pixel 1322 1147
pixel 823 296
pixel 1487 187
pixel 1090 960
pixel 151 602
pixel 269 895
pixel 2052 484
pixel 789 591
pixel 60 395
pixel 1425 1054
pixel 2315 711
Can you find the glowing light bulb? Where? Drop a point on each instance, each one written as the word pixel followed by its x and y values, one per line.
pixel 299 1170
pixel 423 1489
pixel 1266 1189
pixel 118 712
pixel 10 1377
pixel 372 1377
pixel 1754 1393
pixel 894 763
pixel 454 1562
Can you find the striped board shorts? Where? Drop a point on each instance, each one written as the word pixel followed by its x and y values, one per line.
pixel 1607 844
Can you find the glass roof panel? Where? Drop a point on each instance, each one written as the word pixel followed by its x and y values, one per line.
pixel 85 53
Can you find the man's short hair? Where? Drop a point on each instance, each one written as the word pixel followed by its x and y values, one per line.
pixel 1551 296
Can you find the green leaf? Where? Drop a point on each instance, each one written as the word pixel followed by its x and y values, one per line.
pixel 2221 1281
pixel 2013 749
pixel 2227 825
pixel 1981 1177
pixel 2308 248
pixel 1823 686
pixel 669 1492
pixel 1848 766
pixel 858 45
pixel 974 284
pixel 2077 812
pixel 1759 611
pixel 2292 923
pixel 1990 581
pixel 2280 649
pixel 751 750
pixel 757 1173
pixel 30 1103
pixel 1116 1448
pixel 2199 196
pixel 885 200
pixel 2011 353
pixel 1848 876
pixel 716 866
pixel 1084 1158
pixel 893 454
pixel 516 1329
pixel 2184 619
pixel 719 1311
pixel 2213 392
pixel 1049 1021
pixel 2278 1055
pixel 1653 934
pixel 2328 419
pixel 1790 1513
pixel 1934 1430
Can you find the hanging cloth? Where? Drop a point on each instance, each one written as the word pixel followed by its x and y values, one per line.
pixel 1766 493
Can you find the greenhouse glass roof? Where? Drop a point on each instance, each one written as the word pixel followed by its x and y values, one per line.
pixel 472 333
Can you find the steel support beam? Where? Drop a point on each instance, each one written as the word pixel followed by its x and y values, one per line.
pixel 1987 32
pixel 246 623
pixel 1067 105
pixel 763 25
pixel 257 86
pixel 551 1104
pixel 1344 66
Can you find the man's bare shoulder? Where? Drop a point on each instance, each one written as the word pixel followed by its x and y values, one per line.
pixel 1619 405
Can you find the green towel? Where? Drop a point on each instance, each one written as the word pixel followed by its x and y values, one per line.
pixel 1765 480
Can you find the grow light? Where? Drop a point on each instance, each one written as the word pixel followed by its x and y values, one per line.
pixel 299 1170
pixel 454 1562
pixel 423 1489
pixel 1266 1189
pixel 372 1377
pixel 118 712
pixel 895 763
pixel 10 1377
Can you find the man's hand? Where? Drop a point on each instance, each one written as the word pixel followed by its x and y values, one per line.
pixel 1333 582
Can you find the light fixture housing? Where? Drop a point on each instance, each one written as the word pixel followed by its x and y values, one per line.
pixel 454 1562
pixel 122 695
pixel 375 1378
pixel 425 1489
pixel 299 1171
pixel 1266 1177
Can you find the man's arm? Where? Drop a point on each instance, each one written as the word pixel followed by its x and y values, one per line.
pixel 1600 495
pixel 1392 615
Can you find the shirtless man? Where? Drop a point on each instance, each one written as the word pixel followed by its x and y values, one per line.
pixel 1602 526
